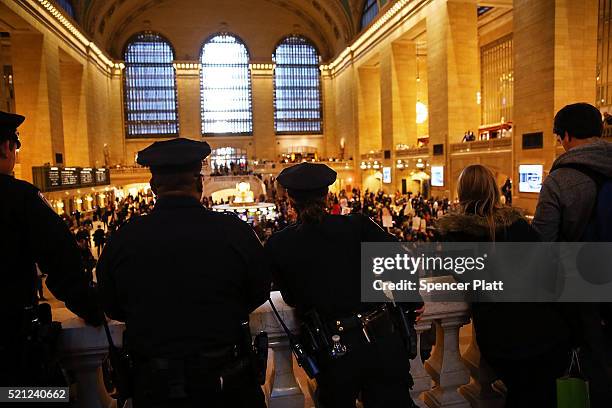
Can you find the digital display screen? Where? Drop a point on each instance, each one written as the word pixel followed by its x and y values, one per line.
pixel 386 175
pixel 437 176
pixel 530 178
pixel 65 178
pixel 86 176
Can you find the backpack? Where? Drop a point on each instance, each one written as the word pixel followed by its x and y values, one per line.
pixel 599 225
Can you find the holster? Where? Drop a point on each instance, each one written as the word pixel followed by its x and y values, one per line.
pixel 39 360
pixel 405 320
pixel 256 352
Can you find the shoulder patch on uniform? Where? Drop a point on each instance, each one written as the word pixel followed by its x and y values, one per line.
pixel 44 200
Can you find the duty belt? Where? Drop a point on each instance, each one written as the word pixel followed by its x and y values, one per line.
pixel 361 321
pixel 224 365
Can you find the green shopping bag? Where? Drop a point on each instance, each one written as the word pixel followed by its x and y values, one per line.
pixel 573 389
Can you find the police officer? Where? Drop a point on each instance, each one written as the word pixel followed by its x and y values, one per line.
pixel 183 278
pixel 315 264
pixel 31 233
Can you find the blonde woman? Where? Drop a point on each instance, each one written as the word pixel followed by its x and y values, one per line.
pixel 526 344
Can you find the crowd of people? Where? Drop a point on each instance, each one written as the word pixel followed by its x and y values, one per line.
pixel 233 169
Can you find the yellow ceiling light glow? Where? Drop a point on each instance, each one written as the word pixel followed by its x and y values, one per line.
pixel 57 14
pixel 421 112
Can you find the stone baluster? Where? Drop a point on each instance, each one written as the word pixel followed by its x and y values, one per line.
pixel 445 364
pixel 83 349
pixel 284 391
pixel 422 379
pixel 479 392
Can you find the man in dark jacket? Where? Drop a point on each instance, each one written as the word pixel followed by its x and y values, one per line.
pixel 31 233
pixel 99 237
pixel 151 273
pixel 565 206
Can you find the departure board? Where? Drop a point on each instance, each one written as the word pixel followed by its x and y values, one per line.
pixel 52 178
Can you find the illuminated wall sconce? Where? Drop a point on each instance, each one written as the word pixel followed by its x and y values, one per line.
pixel 400 164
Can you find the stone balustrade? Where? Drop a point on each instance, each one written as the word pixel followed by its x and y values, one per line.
pixel 446 379
pixel 500 144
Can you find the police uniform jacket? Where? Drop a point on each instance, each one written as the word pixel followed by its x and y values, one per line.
pixel 31 232
pixel 318 265
pixel 182 278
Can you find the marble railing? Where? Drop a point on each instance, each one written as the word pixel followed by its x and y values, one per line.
pixel 446 379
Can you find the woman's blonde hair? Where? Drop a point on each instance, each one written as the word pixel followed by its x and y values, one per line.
pixel 479 195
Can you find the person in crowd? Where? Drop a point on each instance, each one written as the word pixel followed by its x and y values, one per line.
pixel 152 271
pixel 87 259
pixel 506 190
pixel 99 237
pixel 82 234
pixel 39 284
pixel 32 234
pixel 527 353
pixel 379 370
pixel 336 209
pixel 607 119
pixel 564 212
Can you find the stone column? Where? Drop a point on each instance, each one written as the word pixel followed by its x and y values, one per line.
pixel 368 108
pixel 332 144
pixel 189 105
pixel 479 392
pixel 554 65
pixel 264 135
pixel 83 349
pixel 420 376
pixel 452 69
pixel 282 386
pixel 398 100
pixel 74 111
pixel 445 365
pixel 38 97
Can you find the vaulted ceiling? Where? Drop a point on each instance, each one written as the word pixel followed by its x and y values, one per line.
pixel 330 24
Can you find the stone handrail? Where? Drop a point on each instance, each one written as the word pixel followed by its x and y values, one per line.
pixel 446 379
pixel 412 152
pixel 276 167
pixel 503 143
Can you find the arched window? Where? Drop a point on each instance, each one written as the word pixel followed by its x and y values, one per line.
pixel 297 87
pixel 68 7
pixel 225 87
pixel 150 87
pixel 370 10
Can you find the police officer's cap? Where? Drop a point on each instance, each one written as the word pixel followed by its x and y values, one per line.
pixel 307 180
pixel 9 122
pixel 174 156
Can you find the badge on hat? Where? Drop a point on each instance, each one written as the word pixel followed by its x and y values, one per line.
pixel 307 180
pixel 174 156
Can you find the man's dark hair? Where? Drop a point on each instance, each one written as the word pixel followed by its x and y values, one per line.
pixel 579 120
pixel 173 181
